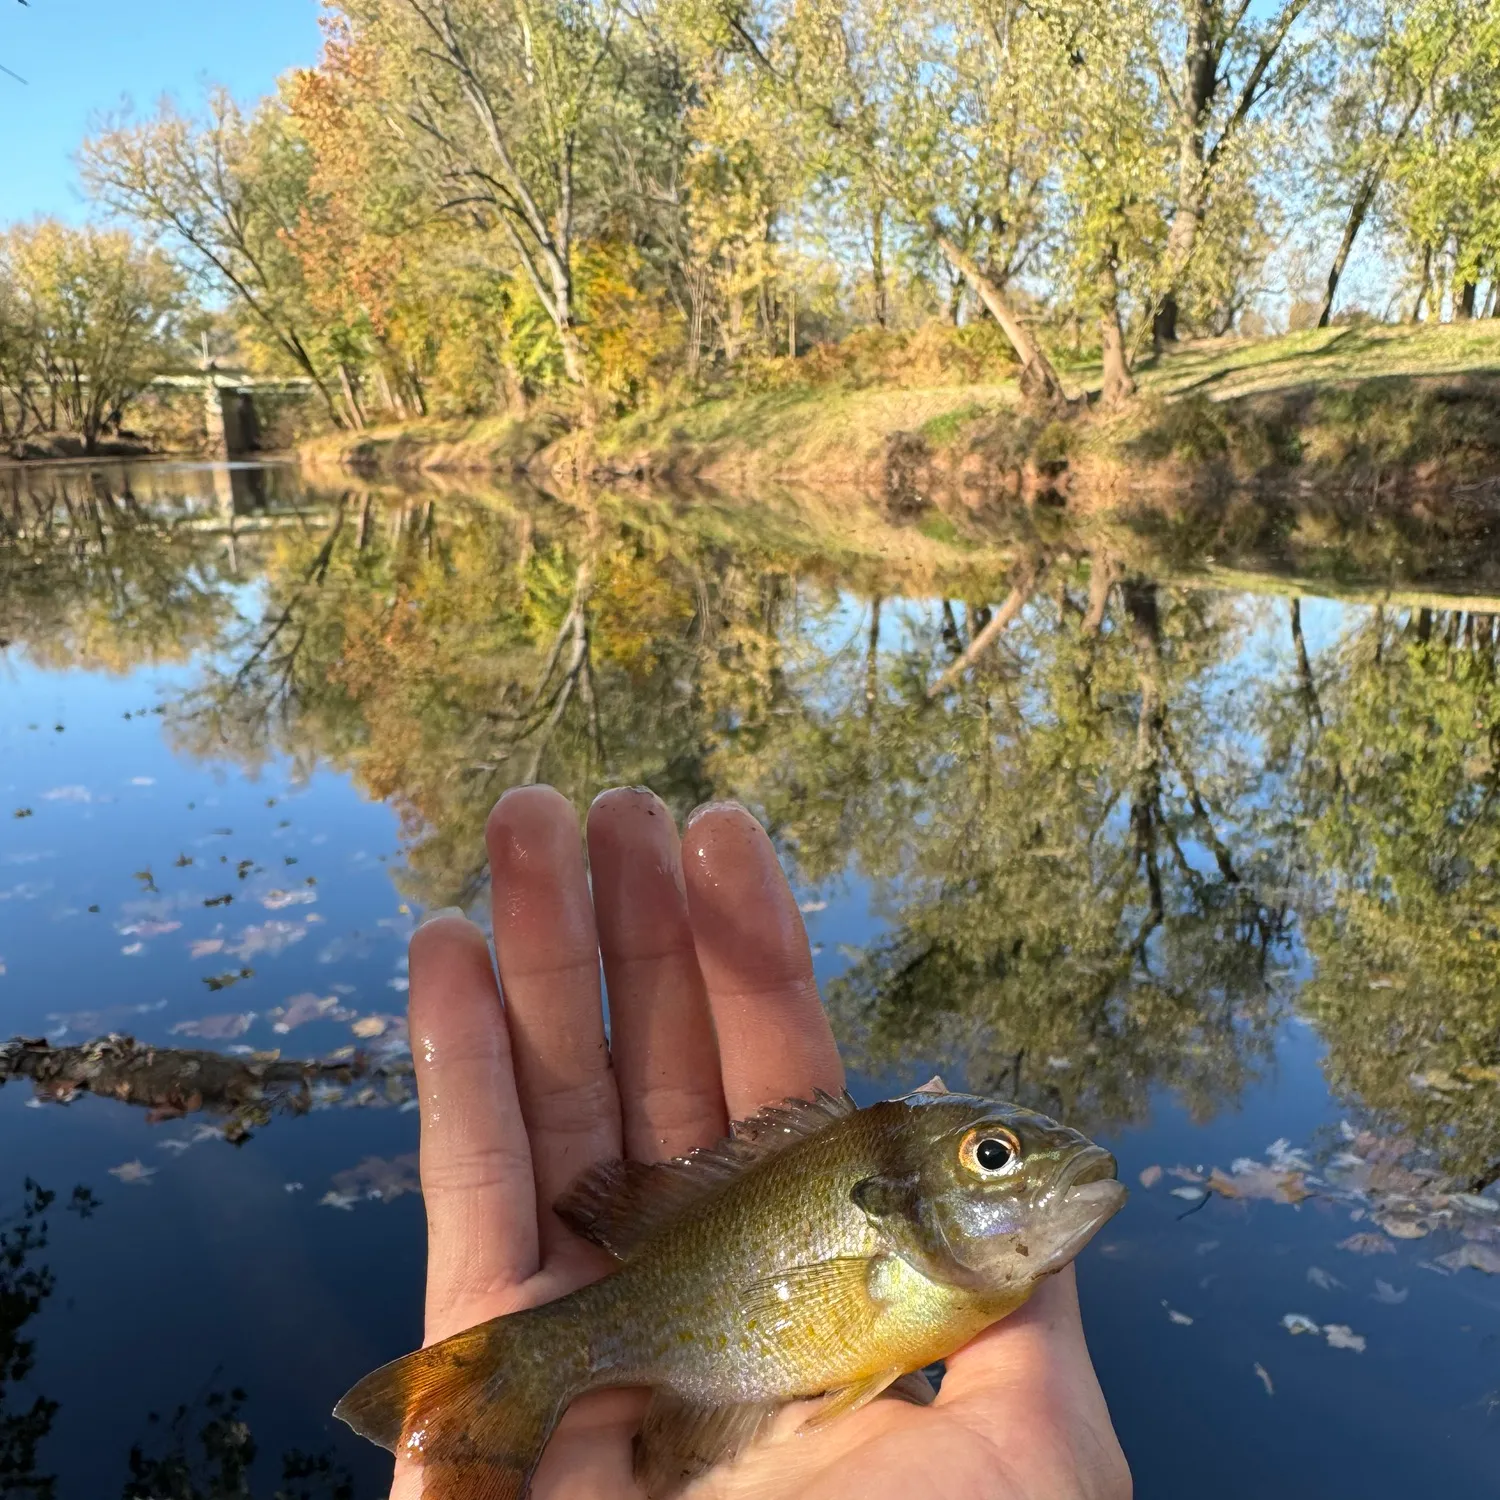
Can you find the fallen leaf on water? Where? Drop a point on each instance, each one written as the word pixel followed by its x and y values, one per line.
pixel 1191 1194
pixel 133 1171
pixel 1401 1228
pixel 1185 1174
pixel 277 900
pixel 1151 1176
pixel 202 947
pixel 132 949
pixel 301 1009
pixel 1473 1255
pixel 1341 1336
pixel 223 981
pixel 1178 1317
pixel 1320 1278
pixel 147 929
pixel 1386 1293
pixel 1265 1379
pixel 1252 1180
pixel 1477 1202
pixel 292 1187
pixel 215 1028
pixel 378 1178
pixel 1299 1323
pixel 147 880
pixel 223 900
pixel 345 1201
pixel 1367 1244
pixel 399 984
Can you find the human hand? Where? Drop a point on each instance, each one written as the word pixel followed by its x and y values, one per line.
pixel 713 1013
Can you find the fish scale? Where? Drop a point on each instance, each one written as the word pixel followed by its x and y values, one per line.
pixel 821 1249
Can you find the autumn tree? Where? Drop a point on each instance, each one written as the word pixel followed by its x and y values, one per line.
pixel 87 318
pixel 226 191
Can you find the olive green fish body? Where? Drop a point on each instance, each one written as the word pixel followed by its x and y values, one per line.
pixel 820 1249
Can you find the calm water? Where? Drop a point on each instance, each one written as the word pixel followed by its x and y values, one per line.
pixel 1200 859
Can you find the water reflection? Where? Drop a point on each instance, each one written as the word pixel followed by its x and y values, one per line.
pixel 1106 843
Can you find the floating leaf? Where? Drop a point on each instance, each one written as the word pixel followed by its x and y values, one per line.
pixel 133 1171
pixel 223 981
pixel 216 1028
pixel 1472 1255
pixel 1252 1180
pixel 1367 1244
pixel 1151 1176
pixel 1341 1336
pixel 224 900
pixel 278 900
pixel 1300 1323
pixel 1265 1379
pixel 1321 1279
pixel 1386 1293
pixel 1191 1194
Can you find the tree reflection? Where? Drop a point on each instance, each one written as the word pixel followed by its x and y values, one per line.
pixel 205 1451
pixel 1096 825
pixel 1392 744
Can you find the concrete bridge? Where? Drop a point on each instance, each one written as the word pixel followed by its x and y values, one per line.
pixel 230 417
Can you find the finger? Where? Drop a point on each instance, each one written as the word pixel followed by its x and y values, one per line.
pixel 476 1166
pixel 548 956
pixel 774 1039
pixel 661 1037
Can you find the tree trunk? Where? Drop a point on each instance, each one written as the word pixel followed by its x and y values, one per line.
pixel 1426 286
pixel 1119 384
pixel 356 416
pixel 1352 225
pixel 791 323
pixel 1463 305
pixel 1038 379
pixel 877 266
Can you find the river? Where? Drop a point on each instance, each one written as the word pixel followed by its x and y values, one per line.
pixel 1198 854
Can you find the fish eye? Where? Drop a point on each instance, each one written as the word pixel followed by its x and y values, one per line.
pixel 989 1150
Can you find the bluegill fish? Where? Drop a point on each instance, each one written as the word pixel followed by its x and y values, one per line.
pixel 820 1250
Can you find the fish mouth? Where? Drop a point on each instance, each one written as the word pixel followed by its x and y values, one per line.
pixel 1093 1164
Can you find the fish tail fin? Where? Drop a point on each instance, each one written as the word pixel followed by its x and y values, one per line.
pixel 476 1431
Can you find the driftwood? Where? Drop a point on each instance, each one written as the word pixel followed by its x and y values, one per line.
pixel 172 1082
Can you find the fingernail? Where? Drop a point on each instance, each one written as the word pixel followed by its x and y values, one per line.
pixel 441 912
pixel 723 804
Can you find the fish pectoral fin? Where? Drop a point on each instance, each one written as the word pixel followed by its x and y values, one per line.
pixel 849 1398
pixel 832 1292
pixel 914 1387
pixel 679 1440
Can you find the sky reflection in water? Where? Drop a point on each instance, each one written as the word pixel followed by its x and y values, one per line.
pixel 1199 869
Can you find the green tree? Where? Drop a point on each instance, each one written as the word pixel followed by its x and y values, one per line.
pixel 89 317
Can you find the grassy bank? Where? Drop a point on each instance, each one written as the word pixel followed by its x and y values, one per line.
pixel 1351 408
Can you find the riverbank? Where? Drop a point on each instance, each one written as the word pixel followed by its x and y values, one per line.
pixel 1345 409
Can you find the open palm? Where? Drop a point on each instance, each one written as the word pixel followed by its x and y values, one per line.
pixel 713 1013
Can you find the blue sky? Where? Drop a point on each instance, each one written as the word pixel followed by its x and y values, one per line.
pixel 82 57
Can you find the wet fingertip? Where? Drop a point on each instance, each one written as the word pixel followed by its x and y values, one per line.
pixel 442 914
pixel 723 804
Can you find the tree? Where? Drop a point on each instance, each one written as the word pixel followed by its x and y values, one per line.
pixel 1220 64
pixel 503 108
pixel 227 192
pixel 946 120
pixel 89 316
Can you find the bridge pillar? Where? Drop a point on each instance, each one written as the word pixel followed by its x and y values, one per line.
pixel 229 418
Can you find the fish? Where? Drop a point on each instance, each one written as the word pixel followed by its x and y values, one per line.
pixel 821 1249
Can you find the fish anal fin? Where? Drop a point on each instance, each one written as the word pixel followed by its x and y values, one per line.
pixel 850 1398
pixel 622 1204
pixel 449 1407
pixel 834 1294
pixel 679 1440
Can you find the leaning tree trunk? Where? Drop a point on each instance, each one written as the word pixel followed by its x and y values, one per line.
pixel 1352 225
pixel 1038 379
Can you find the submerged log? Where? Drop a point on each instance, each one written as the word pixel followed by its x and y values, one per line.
pixel 171 1082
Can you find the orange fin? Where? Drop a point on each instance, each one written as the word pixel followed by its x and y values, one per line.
pixel 622 1204
pixel 679 1441
pixel 476 1435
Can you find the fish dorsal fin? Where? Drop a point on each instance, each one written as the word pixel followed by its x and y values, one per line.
pixel 679 1441
pixel 934 1085
pixel 622 1204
